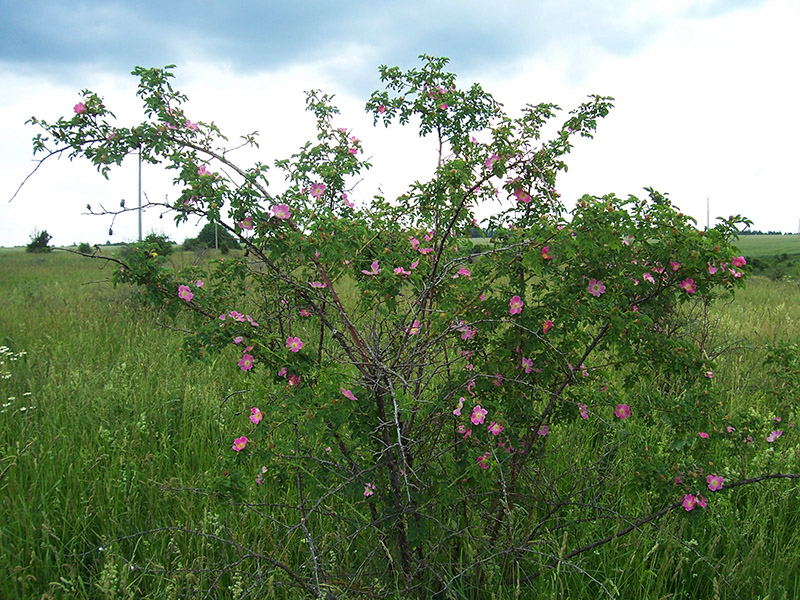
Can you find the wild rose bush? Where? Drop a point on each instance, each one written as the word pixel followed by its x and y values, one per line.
pixel 438 410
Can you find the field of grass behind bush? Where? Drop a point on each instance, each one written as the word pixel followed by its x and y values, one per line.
pixel 107 431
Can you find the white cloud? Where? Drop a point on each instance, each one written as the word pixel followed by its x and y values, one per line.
pixel 703 109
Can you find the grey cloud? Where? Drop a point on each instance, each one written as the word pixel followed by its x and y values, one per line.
pixel 60 38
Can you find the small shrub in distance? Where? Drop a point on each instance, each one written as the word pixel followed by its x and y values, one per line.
pixel 207 238
pixel 160 243
pixel 39 241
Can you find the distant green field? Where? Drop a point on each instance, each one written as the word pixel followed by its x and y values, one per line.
pixel 773 256
pixel 752 246
pixel 758 246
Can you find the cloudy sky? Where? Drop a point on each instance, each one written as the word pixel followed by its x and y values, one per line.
pixel 705 91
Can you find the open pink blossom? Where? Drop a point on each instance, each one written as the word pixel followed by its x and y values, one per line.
pixel 712 269
pixel 239 443
pixel 596 287
pixel 495 428
pixel 515 305
pixel 414 329
pixel 184 293
pixel 79 108
pixel 457 409
pixel 381 109
pixel 317 189
pixel 246 362
pixel 774 435
pixel 544 430
pixel 547 326
pixel 281 211
pixel 689 502
pixel 246 223
pixel 522 196
pixel 701 502
pixel 739 261
pixel 527 364
pixel 238 339
pixel 425 251
pixel 304 312
pixel 318 284
pixel 414 242
pixel 256 415
pixel 374 269
pixel 478 415
pixel 623 411
pixel 688 285
pixel 467 332
pixel 648 278
pixel 584 410
pixel 293 380
pixel 347 202
pixel 294 344
pixel 715 482
pixel 429 236
pixel 199 283
pixel 464 272
pixel 369 489
pixel 203 171
pixel 489 162
pixel 402 272
pixel 192 126
pixel 703 434
pixel 675 265
pixel 349 395
pixel 546 254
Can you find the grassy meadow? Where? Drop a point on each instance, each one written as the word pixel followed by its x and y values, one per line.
pixel 108 431
pixel 773 256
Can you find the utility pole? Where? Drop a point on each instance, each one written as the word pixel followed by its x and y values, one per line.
pixel 140 193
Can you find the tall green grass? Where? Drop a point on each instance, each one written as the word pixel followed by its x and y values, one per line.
pixel 119 436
